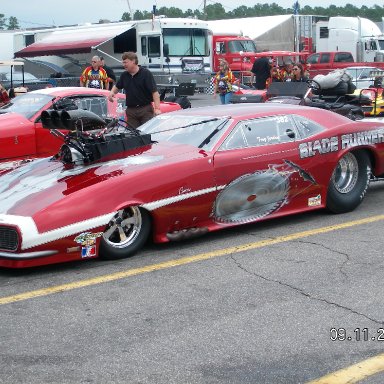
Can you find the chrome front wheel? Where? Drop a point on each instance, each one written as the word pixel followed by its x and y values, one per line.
pixel 125 234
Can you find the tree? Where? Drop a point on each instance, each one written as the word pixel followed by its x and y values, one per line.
pixel 126 17
pixel 13 23
pixel 239 12
pixel 138 15
pixel 3 21
pixel 188 13
pixel 215 12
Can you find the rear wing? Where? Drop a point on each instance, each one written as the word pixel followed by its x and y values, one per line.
pixel 288 88
pixel 12 63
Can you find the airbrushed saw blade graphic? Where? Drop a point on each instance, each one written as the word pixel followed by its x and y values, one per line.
pixel 253 196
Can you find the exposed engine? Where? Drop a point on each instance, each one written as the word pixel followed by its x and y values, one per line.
pixel 90 138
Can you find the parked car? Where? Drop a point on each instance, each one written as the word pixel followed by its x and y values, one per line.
pixel 302 93
pixel 363 77
pixel 22 136
pixel 181 175
pixel 370 86
pixel 321 63
pixel 29 81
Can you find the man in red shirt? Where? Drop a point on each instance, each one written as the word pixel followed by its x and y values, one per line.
pixel 94 76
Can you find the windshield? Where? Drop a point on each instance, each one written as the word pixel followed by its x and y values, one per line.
pixel 27 104
pixel 352 72
pixel 186 41
pixel 198 131
pixel 242 45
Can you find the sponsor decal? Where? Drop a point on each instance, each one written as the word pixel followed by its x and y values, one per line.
pixel 312 148
pixel 88 251
pixel 334 143
pixel 362 138
pixel 88 243
pixel 314 201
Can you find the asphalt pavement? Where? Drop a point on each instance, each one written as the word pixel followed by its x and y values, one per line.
pixel 203 99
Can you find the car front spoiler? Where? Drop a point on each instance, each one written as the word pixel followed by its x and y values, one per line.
pixel 26 255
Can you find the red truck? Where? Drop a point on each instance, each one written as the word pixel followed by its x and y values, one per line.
pixel 325 62
pixel 238 51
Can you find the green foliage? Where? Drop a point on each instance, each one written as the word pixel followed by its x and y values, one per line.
pixel 126 17
pixel 216 11
pixel 3 21
pixel 13 23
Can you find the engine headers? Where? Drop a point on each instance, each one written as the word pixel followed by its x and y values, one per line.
pixel 77 119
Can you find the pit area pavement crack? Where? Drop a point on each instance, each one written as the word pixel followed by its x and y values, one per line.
pixel 305 294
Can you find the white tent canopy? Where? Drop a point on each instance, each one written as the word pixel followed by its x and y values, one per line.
pixel 252 27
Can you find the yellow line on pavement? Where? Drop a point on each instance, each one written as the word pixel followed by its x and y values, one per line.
pixel 354 373
pixel 181 261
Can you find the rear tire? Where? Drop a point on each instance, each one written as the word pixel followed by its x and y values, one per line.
pixel 349 182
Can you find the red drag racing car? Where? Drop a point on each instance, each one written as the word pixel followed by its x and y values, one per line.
pixel 186 173
pixel 22 136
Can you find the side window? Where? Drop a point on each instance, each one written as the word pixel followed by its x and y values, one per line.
pixel 220 47
pixel 370 45
pixel 343 57
pixel 29 39
pixel 325 57
pixel 97 105
pixel 261 132
pixel 154 46
pixel 324 33
pixel 306 127
pixel 365 73
pixel 144 45
pixel 313 59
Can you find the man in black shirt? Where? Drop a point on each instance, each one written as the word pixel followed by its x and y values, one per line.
pixel 262 70
pixel 111 75
pixel 140 90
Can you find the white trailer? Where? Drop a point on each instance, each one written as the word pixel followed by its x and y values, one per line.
pixel 7 45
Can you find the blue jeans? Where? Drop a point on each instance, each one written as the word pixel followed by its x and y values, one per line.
pixel 226 98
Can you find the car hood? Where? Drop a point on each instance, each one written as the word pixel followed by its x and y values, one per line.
pixel 46 184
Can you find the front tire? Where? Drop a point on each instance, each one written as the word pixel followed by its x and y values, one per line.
pixel 349 182
pixel 125 234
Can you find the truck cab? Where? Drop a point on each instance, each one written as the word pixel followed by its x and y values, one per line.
pixel 358 35
pixel 238 51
